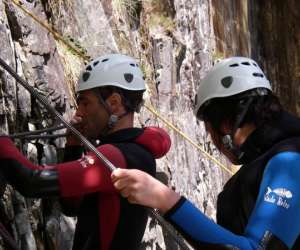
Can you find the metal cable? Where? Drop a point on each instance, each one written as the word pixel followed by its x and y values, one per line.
pixel 35 137
pixel 36 132
pixel 153 213
pixel 56 35
pixel 86 143
pixel 170 229
pixel 52 110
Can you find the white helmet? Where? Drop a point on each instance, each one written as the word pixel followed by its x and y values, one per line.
pixel 229 77
pixel 112 70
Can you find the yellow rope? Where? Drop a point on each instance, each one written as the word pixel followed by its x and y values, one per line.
pixel 53 32
pixel 170 125
pixel 148 106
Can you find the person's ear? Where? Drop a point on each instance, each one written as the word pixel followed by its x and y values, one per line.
pixel 114 101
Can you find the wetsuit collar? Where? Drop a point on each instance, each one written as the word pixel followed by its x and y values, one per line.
pixel 263 138
pixel 128 134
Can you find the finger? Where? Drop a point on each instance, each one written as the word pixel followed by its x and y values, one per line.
pixel 118 185
pixel 115 175
pixel 131 199
pixel 119 174
pixel 126 192
pixel 123 183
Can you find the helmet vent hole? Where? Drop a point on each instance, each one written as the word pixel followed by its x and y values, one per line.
pixel 255 64
pixel 86 76
pixel 246 63
pixel 105 60
pixel 128 77
pixel 89 68
pixel 227 81
pixel 258 75
pixel 132 64
pixel 234 65
pixel 95 63
pixel 137 65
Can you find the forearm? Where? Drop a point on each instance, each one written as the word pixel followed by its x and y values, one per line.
pixel 203 233
pixel 36 183
pixel 29 179
pixel 166 199
pixel 200 231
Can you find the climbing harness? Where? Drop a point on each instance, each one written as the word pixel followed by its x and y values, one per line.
pixel 89 146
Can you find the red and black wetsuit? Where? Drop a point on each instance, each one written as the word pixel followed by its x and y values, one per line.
pixel 105 220
pixel 105 214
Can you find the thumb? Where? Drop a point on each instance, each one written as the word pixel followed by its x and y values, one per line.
pixel 117 174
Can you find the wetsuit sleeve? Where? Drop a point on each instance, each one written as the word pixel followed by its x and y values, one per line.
pixel 8 150
pixel 69 179
pixel 278 204
pixel 89 174
pixel 29 179
pixel 199 230
pixel 70 205
pixel 275 217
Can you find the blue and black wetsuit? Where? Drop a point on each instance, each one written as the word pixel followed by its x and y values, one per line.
pixel 259 207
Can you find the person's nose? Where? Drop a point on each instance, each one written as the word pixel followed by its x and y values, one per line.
pixel 80 111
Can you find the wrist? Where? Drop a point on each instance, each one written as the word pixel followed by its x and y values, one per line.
pixel 167 200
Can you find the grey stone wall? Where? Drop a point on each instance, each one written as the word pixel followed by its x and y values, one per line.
pixel 176 42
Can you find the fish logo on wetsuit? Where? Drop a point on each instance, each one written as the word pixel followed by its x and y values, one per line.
pixel 278 196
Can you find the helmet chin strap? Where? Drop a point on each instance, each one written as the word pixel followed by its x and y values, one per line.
pixel 228 143
pixel 113 119
pixel 227 140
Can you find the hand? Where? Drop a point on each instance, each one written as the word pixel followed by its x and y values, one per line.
pixel 140 188
pixel 76 122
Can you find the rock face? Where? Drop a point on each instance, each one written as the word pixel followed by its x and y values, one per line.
pixel 268 32
pixel 176 42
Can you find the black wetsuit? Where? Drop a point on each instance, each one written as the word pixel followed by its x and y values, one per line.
pixel 131 219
